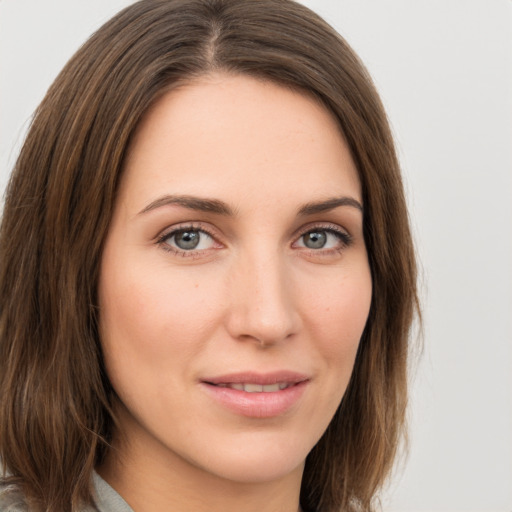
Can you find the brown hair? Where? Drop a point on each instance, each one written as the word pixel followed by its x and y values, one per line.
pixel 55 399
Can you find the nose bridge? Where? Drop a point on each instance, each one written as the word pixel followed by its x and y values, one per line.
pixel 262 305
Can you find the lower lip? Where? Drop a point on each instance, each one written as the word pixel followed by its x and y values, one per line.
pixel 257 405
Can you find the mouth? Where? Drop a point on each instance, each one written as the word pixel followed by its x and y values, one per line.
pixel 257 395
pixel 253 382
pixel 254 388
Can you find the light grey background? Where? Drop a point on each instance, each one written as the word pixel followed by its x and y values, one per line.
pixel 444 70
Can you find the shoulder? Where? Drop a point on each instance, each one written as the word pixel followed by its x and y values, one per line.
pixel 11 499
pixel 107 500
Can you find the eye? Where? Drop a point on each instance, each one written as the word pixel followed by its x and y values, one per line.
pixel 187 240
pixel 323 238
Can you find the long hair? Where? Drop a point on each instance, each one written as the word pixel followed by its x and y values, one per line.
pixel 56 419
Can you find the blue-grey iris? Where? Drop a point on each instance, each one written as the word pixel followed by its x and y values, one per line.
pixel 187 240
pixel 315 239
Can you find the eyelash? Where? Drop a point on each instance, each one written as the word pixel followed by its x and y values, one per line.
pixel 344 238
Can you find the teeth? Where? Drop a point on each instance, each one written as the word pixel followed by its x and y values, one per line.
pixel 252 388
pixel 271 388
pixel 256 388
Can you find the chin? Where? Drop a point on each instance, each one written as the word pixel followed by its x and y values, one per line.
pixel 258 458
pixel 257 469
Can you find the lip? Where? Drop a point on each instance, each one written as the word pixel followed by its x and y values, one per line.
pixel 258 378
pixel 258 404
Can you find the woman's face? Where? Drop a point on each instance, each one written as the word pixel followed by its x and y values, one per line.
pixel 234 283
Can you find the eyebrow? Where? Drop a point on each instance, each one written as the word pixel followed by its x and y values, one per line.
pixel 192 203
pixel 329 204
pixel 221 208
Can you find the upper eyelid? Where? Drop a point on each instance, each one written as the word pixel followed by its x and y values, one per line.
pixel 326 226
pixel 170 230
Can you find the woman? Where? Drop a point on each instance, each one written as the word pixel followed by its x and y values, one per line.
pixel 207 274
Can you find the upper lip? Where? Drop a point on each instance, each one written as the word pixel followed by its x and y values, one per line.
pixel 290 377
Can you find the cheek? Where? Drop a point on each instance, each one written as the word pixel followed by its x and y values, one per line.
pixel 341 307
pixel 151 316
pixel 337 317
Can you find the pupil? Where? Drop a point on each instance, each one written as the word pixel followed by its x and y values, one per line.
pixel 315 239
pixel 187 239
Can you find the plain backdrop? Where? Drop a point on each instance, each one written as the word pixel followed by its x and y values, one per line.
pixel 444 71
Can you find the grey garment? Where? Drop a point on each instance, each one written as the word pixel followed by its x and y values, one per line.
pixel 11 500
pixel 106 499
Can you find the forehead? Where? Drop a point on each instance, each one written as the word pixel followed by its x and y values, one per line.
pixel 222 135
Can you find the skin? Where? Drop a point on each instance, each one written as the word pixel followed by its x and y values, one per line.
pixel 254 295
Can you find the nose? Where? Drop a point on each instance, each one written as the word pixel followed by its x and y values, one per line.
pixel 262 305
